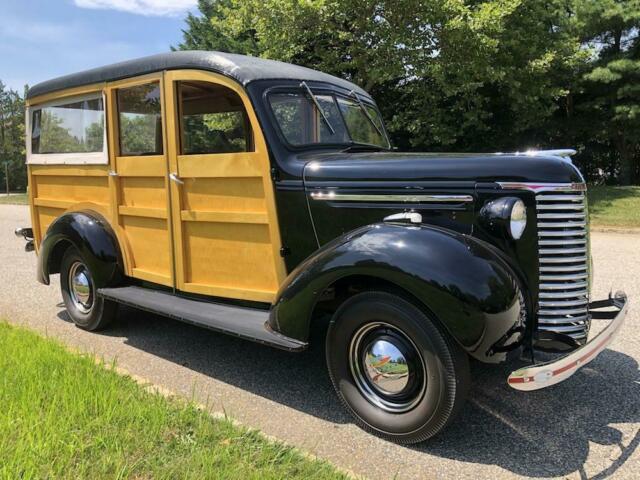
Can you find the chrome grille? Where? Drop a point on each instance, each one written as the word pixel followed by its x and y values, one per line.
pixel 563 248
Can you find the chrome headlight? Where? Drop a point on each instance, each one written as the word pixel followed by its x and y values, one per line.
pixel 518 219
pixel 507 214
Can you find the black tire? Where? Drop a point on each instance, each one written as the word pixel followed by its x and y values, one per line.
pixel 96 313
pixel 427 403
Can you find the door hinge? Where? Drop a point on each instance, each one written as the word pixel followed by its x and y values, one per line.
pixel 284 251
pixel 275 174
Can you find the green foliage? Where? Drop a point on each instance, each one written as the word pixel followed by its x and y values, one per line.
pixel 12 146
pixel 461 74
pixel 64 416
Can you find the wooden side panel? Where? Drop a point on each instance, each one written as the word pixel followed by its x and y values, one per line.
pixel 57 188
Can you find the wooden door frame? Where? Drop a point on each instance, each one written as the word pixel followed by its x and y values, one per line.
pixel 118 163
pixel 264 170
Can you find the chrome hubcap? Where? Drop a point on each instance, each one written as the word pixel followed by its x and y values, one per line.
pixel 387 367
pixel 80 287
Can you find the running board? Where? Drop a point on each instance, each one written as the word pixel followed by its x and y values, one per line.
pixel 243 322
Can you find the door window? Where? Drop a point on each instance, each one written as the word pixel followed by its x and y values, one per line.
pixel 212 120
pixel 140 120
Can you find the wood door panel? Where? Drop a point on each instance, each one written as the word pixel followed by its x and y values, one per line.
pixel 224 194
pixel 149 244
pixel 229 255
pixel 146 192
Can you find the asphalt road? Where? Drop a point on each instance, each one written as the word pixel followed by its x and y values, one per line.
pixel 586 427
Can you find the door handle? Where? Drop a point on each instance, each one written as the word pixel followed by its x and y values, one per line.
pixel 112 173
pixel 175 178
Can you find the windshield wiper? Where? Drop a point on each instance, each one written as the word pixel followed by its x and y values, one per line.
pixel 315 102
pixel 354 95
pixel 362 147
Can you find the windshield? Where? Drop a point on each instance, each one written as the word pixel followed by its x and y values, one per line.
pixel 346 121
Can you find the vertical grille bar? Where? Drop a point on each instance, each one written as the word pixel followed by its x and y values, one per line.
pixel 563 252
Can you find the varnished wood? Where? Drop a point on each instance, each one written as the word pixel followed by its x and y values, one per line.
pixel 225 223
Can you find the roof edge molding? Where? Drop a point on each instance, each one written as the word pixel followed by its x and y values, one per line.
pixel 242 68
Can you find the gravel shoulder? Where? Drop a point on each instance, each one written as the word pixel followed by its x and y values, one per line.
pixel 586 427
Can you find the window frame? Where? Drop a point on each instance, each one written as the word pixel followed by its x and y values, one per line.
pixel 139 82
pixel 250 144
pixel 320 90
pixel 86 158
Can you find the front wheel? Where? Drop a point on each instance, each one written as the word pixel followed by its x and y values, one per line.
pixel 86 309
pixel 400 375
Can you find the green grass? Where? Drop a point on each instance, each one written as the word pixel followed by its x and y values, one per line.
pixel 64 416
pixel 14 199
pixel 614 206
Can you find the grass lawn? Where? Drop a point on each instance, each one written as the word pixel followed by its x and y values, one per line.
pixel 614 206
pixel 64 416
pixel 14 199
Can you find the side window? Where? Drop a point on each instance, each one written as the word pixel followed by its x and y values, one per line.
pixel 212 120
pixel 140 120
pixel 73 126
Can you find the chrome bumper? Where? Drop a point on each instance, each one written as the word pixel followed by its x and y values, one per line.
pixel 535 377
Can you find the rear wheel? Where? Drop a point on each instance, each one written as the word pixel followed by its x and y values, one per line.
pixel 395 370
pixel 86 309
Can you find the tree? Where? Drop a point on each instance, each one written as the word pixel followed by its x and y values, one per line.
pixel 609 89
pixel 12 146
pixel 446 73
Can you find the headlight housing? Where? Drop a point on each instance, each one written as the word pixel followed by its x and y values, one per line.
pixel 506 214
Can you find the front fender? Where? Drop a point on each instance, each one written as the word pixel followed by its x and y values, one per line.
pixel 92 235
pixel 459 279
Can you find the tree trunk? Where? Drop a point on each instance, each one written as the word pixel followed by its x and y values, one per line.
pixel 628 161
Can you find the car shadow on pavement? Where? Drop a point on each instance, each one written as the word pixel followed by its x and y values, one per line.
pixel 546 433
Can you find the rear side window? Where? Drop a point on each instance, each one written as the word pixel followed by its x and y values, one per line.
pixel 72 126
pixel 212 120
pixel 140 120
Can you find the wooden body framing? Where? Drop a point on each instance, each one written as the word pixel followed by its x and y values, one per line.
pixel 215 234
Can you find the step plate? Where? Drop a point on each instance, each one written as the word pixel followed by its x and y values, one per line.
pixel 247 323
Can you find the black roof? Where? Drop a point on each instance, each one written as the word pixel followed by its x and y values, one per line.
pixel 241 68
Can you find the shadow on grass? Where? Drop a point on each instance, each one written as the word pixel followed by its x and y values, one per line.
pixel 542 434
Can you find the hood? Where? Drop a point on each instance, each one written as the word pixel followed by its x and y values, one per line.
pixel 437 167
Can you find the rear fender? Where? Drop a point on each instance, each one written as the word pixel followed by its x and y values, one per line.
pixel 92 236
pixel 469 289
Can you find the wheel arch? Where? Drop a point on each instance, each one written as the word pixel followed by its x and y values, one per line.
pixel 478 308
pixel 91 234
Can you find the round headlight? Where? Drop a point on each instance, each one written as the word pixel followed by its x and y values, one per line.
pixel 518 219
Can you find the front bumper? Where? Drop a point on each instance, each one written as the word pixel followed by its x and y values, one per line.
pixel 535 377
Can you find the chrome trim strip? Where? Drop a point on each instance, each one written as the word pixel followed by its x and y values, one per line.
pixel 543 187
pixel 570 241
pixel 567 311
pixel 570 294
pixel 561 206
pixel 405 198
pixel 562 233
pixel 567 216
pixel 563 286
pixel 546 260
pixel 562 321
pixel 562 198
pixel 561 251
pixel 564 268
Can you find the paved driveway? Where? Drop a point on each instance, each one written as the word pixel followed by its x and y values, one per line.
pixel 586 427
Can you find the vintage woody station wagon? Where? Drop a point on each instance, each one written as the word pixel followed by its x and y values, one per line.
pixel 251 196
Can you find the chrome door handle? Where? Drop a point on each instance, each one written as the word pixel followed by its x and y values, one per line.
pixel 174 177
pixel 112 173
